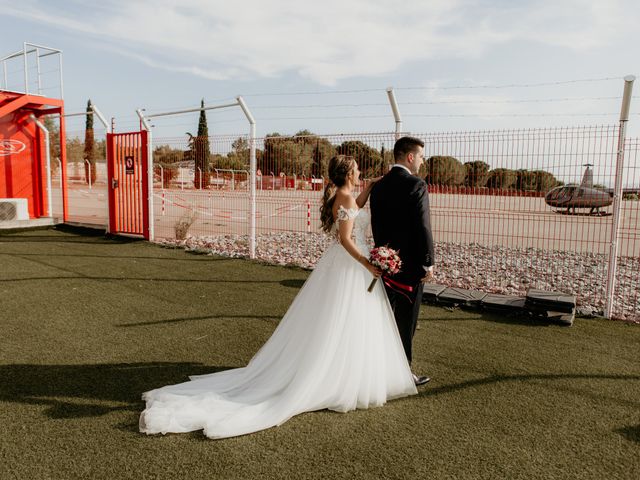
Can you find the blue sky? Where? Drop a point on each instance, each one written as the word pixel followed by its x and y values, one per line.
pixel 168 54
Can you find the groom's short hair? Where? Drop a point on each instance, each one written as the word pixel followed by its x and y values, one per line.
pixel 406 145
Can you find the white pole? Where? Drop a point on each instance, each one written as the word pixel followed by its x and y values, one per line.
pixel 147 127
pixel 61 75
pixel 200 177
pixel 617 195
pixel 161 177
pixel 89 168
pixel 4 68
pixel 48 157
pixel 26 70
pixel 150 183
pixel 38 70
pixel 252 169
pixel 60 172
pixel 97 113
pixel 395 110
pixel 103 120
pixel 189 110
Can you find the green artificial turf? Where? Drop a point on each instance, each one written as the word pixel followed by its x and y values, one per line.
pixel 88 323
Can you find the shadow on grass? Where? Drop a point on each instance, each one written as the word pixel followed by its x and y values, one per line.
pixel 631 433
pixel 26 239
pixel 495 379
pixel 76 276
pixel 65 234
pixel 74 391
pixel 191 319
pixel 508 318
pixel 293 283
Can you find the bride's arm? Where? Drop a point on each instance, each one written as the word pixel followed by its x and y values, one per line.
pixel 364 195
pixel 344 233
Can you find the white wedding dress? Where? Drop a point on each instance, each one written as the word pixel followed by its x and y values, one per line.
pixel 336 348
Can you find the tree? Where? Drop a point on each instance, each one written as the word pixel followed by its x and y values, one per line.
pixel 269 161
pixel 167 157
pixel 89 150
pixel 545 181
pixel 476 173
pixel 368 158
pixel 286 155
pixel 240 153
pixel 322 152
pixel 502 178
pixel 229 162
pixel 445 170
pixel 200 151
pixel 387 159
pixel 526 180
pixel 304 133
pixel 536 180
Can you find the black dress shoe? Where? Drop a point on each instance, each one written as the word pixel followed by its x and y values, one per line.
pixel 420 380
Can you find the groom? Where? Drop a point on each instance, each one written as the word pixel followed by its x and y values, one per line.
pixel 400 219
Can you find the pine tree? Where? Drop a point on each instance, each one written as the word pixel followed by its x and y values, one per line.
pixel 89 150
pixel 201 151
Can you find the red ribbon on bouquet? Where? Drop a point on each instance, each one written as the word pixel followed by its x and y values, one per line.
pixel 398 287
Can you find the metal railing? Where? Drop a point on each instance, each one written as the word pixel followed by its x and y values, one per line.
pixel 494 229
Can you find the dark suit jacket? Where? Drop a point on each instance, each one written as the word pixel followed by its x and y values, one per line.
pixel 400 219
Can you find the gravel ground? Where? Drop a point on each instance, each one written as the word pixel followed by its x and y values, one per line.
pixel 493 269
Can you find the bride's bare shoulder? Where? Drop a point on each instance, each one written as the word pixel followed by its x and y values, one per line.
pixel 344 202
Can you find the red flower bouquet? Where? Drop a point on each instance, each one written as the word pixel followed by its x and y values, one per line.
pixel 387 260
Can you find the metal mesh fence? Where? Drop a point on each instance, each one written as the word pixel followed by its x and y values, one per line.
pixel 627 292
pixel 86 180
pixel 492 197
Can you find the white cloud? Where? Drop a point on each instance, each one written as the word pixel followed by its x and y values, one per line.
pixel 326 41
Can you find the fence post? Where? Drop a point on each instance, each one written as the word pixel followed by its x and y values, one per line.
pixel 48 164
pixel 252 168
pixel 144 122
pixel 617 195
pixel 60 171
pixel 89 170
pixel 396 111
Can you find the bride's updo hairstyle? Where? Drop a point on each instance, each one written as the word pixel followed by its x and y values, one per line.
pixel 340 167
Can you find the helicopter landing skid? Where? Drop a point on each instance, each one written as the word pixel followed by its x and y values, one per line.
pixel 584 214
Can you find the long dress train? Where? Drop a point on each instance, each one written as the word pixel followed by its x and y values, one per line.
pixel 336 348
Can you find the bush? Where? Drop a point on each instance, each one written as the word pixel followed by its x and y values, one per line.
pixel 369 159
pixel 183 224
pixel 168 174
pixel 526 180
pixel 546 181
pixel 502 178
pixel 476 173
pixel 443 170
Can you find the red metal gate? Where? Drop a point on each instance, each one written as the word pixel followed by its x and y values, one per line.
pixel 128 185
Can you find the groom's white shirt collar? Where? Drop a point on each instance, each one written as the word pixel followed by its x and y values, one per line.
pixel 397 165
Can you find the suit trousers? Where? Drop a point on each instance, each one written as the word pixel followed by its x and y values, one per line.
pixel 406 314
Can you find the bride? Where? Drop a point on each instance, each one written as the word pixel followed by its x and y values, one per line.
pixel 336 348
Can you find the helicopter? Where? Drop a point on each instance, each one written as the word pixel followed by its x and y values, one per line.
pixel 584 195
